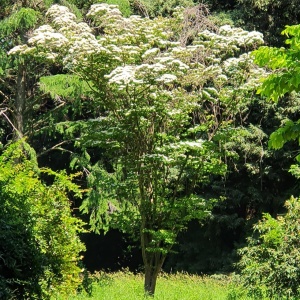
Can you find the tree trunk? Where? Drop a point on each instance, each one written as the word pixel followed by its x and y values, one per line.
pixel 151 273
pixel 20 98
pixel 153 261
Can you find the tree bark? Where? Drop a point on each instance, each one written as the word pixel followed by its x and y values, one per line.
pixel 153 262
pixel 151 273
pixel 20 99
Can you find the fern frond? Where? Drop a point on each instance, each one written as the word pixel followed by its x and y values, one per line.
pixel 64 85
pixel 23 19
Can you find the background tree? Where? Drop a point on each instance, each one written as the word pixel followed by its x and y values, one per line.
pixel 268 17
pixel 13 82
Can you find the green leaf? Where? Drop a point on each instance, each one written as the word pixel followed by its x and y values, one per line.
pixel 22 20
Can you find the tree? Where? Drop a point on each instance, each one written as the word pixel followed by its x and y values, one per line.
pixel 268 16
pixel 157 106
pixel 25 109
pixel 283 79
pixel 13 72
pixel 39 244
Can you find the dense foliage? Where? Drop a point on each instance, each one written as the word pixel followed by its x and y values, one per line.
pixel 270 262
pixel 39 245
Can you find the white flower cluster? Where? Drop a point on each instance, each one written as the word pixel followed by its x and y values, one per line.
pixel 47 37
pixel 145 69
pixel 232 64
pixel 227 41
pixel 220 80
pixel 235 65
pixel 172 63
pixel 48 41
pixel 161 73
pixel 108 16
pixel 101 9
pixel 183 146
pixel 65 22
pixel 59 11
pixel 21 49
pixel 85 47
pixel 122 75
pixel 242 37
pixel 166 78
pixel 233 37
pixel 150 53
pixel 45 42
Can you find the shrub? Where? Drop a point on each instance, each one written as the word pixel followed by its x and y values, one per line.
pixel 270 263
pixel 39 246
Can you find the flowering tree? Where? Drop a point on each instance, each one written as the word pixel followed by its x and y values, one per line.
pixel 157 106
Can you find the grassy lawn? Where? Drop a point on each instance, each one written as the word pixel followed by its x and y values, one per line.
pixel 128 286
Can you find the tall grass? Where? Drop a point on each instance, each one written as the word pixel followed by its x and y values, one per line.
pixel 129 286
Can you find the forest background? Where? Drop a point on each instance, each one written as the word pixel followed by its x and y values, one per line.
pixel 211 142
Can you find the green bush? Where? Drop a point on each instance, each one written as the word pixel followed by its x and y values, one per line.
pixel 39 245
pixel 124 5
pixel 270 264
pixel 154 8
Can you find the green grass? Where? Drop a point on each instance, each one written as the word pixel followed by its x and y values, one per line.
pixel 128 286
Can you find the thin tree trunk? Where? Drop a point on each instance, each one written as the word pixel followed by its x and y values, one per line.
pixel 20 101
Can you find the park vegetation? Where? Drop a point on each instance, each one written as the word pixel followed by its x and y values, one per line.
pixel 148 118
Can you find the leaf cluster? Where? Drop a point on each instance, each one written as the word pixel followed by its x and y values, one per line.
pixel 23 19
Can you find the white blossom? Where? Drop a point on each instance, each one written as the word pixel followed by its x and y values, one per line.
pixel 166 78
pixel 18 49
pixel 59 11
pixel 122 75
pixel 150 53
pixel 102 8
pixel 48 39
pixel 178 63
